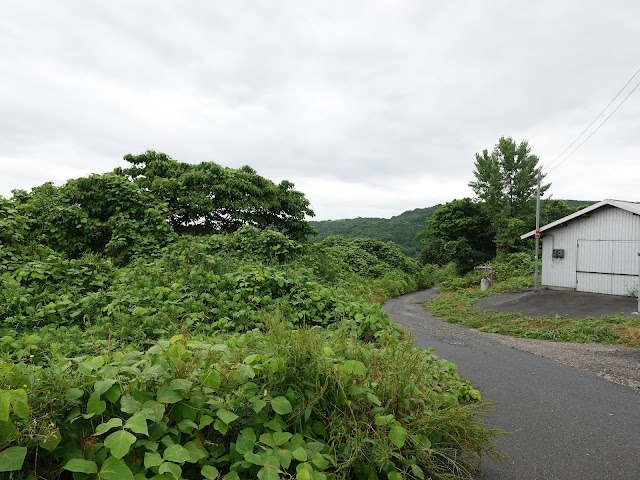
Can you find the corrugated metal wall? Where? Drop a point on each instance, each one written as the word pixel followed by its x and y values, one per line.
pixel 607 266
pixel 597 253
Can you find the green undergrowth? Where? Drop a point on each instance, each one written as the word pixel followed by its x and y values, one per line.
pixel 309 404
pixel 209 284
pixel 232 356
pixel 457 307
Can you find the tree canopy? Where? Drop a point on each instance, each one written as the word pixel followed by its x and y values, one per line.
pixel 205 198
pixel 506 179
pixel 140 209
pixel 506 183
pixel 459 232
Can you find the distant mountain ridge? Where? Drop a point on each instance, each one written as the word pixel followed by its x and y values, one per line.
pixel 401 229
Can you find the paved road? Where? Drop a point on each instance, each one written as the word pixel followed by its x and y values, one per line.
pixel 566 423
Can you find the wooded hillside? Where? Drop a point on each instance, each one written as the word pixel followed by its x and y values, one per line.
pixel 401 229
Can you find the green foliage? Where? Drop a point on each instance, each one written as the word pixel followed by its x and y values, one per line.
pixel 506 179
pixel 459 232
pixel 104 214
pixel 206 198
pixel 280 360
pixel 256 405
pixel 401 229
pixel 506 182
pixel 369 257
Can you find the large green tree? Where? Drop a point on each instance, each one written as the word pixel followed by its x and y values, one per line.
pixel 206 197
pixel 460 232
pixel 506 181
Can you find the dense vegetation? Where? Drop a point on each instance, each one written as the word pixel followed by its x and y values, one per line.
pixel 401 229
pixel 144 336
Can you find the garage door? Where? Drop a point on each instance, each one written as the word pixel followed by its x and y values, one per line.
pixel 607 266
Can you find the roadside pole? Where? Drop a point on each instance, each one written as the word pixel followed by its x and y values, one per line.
pixel 638 283
pixel 535 281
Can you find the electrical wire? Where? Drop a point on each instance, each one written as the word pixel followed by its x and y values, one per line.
pixel 597 128
pixel 594 121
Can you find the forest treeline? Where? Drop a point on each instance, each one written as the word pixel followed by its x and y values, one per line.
pixel 401 229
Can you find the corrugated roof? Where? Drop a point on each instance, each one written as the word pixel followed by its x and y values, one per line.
pixel 632 207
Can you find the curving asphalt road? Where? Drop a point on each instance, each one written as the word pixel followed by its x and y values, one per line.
pixel 565 423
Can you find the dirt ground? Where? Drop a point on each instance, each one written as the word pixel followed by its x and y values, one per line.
pixel 616 363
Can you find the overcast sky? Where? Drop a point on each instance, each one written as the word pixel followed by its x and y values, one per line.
pixel 370 107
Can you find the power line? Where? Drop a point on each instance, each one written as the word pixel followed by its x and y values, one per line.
pixel 597 128
pixel 594 121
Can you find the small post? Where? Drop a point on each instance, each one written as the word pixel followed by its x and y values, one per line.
pixel 638 283
pixel 535 275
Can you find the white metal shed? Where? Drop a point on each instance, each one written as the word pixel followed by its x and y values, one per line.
pixel 596 249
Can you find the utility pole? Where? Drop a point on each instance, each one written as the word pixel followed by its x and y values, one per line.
pixel 535 281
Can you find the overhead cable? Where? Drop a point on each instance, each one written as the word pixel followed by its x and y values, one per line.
pixel 594 121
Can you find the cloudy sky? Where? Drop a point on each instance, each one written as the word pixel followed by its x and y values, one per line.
pixel 370 107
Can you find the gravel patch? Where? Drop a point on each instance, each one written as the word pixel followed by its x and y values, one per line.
pixel 615 363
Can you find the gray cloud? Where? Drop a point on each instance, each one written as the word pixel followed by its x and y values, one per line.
pixel 371 108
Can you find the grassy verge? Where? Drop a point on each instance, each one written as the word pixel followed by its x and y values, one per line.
pixel 457 307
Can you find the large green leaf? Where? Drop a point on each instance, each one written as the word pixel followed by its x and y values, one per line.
pixel 152 459
pixel 270 470
pixel 95 406
pixel 300 454
pixel 226 415
pixel 209 472
pixel 113 394
pixel 205 420
pixel 244 444
pixel 103 385
pixel 176 453
pixel 106 426
pixel 19 403
pixel 168 395
pixel 153 410
pixel 195 453
pixel 397 435
pixel 258 404
pixel 303 474
pixel 12 458
pixel 115 469
pixel 212 379
pixel 128 404
pixel 281 437
pixel 220 426
pixel 281 405
pixel 171 468
pixel 319 461
pixel 73 393
pixel 119 443
pixel 137 424
pixel 81 466
pixel 181 384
